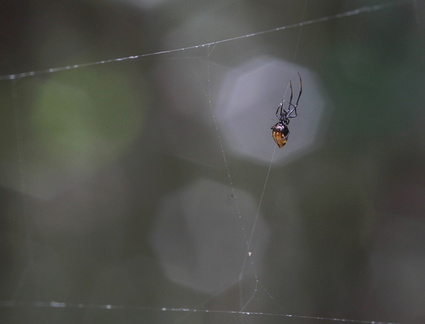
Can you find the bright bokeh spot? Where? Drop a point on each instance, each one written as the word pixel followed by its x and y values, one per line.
pixel 247 105
pixel 199 240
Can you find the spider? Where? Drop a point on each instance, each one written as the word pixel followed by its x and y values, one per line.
pixel 280 131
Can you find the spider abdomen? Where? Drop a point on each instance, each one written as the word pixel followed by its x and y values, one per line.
pixel 280 133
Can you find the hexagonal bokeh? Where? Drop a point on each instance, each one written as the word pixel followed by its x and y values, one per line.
pixel 247 105
pixel 201 239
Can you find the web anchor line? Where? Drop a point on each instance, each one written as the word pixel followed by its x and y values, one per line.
pixel 354 12
pixel 106 307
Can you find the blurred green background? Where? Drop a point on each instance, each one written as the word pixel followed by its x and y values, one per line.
pixel 153 184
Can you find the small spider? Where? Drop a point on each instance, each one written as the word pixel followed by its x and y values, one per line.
pixel 280 131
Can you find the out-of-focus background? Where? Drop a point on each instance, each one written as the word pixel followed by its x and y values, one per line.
pixel 150 190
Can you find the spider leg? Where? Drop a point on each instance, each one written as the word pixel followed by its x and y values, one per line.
pixel 291 107
pixel 279 114
pixel 301 90
pixel 292 94
pixel 293 112
pixel 294 106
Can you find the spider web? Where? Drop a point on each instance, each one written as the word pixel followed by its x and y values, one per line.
pixel 233 282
